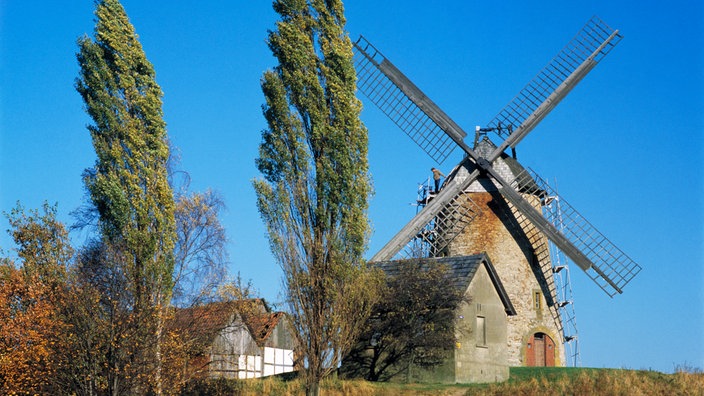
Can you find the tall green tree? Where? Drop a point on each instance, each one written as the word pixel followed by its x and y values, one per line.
pixel 128 184
pixel 313 197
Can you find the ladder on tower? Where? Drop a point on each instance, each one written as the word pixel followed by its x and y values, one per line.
pixel 561 273
pixel 552 263
pixel 564 298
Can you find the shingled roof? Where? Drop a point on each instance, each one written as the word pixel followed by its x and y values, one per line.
pixel 461 269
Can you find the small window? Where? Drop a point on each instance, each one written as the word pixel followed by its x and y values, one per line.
pixel 537 301
pixel 481 331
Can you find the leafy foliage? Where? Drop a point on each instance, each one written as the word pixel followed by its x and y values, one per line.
pixel 128 184
pixel 29 333
pixel 32 329
pixel 42 242
pixel 93 323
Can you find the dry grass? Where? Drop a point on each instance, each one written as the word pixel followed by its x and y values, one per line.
pixel 603 382
pixel 524 382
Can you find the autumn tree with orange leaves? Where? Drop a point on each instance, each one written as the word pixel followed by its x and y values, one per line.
pixel 33 348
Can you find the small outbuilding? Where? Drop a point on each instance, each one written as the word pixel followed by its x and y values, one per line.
pixel 480 354
pixel 236 340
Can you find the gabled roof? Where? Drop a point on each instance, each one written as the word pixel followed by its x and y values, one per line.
pixel 204 322
pixel 461 269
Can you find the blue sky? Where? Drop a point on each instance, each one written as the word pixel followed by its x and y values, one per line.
pixel 624 148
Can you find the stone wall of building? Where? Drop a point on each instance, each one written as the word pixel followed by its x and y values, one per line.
pixel 480 353
pixel 496 232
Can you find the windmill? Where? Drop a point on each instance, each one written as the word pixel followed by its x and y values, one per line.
pixel 489 185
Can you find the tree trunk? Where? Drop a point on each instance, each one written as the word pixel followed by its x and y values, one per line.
pixel 114 386
pixel 313 389
pixel 373 372
pixel 158 357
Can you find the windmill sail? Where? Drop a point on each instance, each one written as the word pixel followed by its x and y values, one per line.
pixel 583 244
pixel 555 81
pixel 434 131
pixel 608 266
pixel 603 262
pixel 404 103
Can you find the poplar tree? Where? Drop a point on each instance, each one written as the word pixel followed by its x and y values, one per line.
pixel 128 185
pixel 313 197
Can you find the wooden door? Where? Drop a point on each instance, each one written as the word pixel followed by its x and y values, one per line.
pixel 540 351
pixel 539 348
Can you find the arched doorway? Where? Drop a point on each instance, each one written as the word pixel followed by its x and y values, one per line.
pixel 540 351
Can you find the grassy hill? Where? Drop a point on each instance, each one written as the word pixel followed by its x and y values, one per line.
pixel 524 381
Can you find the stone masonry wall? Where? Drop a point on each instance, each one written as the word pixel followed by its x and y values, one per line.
pixel 511 254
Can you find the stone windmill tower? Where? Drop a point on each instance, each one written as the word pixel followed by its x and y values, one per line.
pixel 491 203
pixel 521 256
